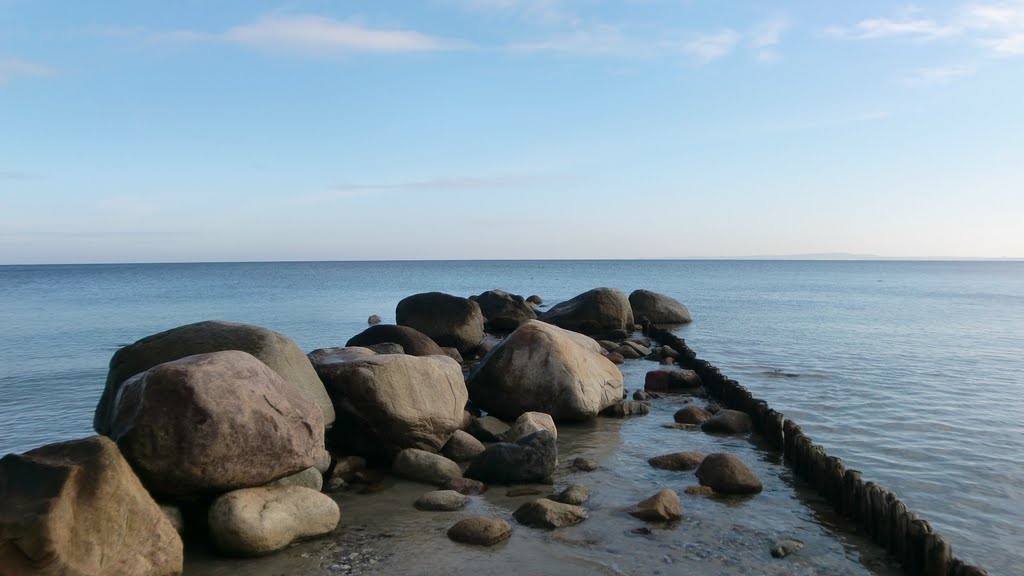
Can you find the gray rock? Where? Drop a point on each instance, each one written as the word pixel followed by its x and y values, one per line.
pixel 425 467
pixel 639 348
pixel 480 531
pixel 322 356
pixel 277 351
pixel 413 341
pixel 661 507
pixel 608 345
pixel 597 311
pixel 642 395
pixel 451 321
pixel 442 501
pixel 387 348
pixel 309 478
pixel 544 513
pixel 658 308
pixel 627 408
pixel 528 423
pixel 258 521
pixel 727 474
pixel 784 548
pixel 584 465
pixel 728 422
pixel 574 494
pixel 672 379
pixel 677 461
pixel 691 415
pixel 504 312
pixel 531 459
pixel 488 429
pixel 462 447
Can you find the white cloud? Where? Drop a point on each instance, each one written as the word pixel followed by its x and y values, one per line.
pixel 886 28
pixel 599 39
pixel 939 74
pixel 11 68
pixel 711 47
pixel 322 34
pixel 766 36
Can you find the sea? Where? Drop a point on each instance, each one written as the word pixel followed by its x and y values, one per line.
pixel 910 371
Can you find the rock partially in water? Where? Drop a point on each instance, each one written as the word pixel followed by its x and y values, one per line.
pixel 639 348
pixel 691 415
pixel 544 513
pixel 658 308
pixel 488 429
pixel 727 474
pixel 608 345
pixel 627 408
pixel 442 501
pixel 699 491
pixel 584 465
pixel 574 494
pixel 426 467
pixel 595 312
pixel 661 507
pixel 258 521
pixel 504 312
pixel 615 358
pixel 784 548
pixel 532 459
pixel 678 461
pixel 528 423
pixel 411 340
pixel 727 421
pixel 466 486
pixel 627 352
pixel 462 447
pixel 480 530
pixel 542 368
pixel 374 319
pixel 672 379
pixel 77 508
pixel 449 320
pixel 642 395
pixel 210 423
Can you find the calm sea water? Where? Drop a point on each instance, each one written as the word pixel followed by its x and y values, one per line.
pixel 909 371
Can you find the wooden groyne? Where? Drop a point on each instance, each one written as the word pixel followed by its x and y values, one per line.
pixel 875 510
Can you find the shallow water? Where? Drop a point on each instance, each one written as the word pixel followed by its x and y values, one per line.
pixel 909 371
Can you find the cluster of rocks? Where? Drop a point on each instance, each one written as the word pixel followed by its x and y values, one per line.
pixel 231 436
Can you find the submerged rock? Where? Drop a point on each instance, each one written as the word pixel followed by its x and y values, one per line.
pixel 574 494
pixel 661 507
pixel 627 408
pixel 727 474
pixel 672 379
pixel 277 351
pixel 450 321
pixel 480 530
pixel 258 521
pixel 784 548
pixel 728 422
pixel 466 486
pixel 678 461
pixel 414 342
pixel 543 368
pixel 215 422
pixel 584 465
pixel 77 508
pixel 691 415
pixel 595 312
pixel 658 308
pixel 544 513
pixel 531 459
pixel 442 501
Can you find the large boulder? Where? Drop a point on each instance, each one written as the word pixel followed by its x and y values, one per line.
pixel 275 350
pixel 451 321
pixel 595 312
pixel 504 312
pixel 727 474
pixel 388 402
pixel 658 308
pixel 77 508
pixel 258 521
pixel 543 368
pixel 215 422
pixel 531 459
pixel 728 422
pixel 414 342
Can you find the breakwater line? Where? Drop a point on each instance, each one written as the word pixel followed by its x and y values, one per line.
pixel 876 510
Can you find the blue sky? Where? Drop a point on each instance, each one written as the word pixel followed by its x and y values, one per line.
pixel 209 131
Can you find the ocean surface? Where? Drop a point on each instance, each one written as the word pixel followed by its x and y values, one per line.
pixel 912 372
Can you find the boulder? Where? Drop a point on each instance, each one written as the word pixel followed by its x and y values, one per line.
pixel 258 521
pixel 275 350
pixel 727 474
pixel 414 342
pixel 672 379
pixel 388 402
pixel 462 447
pixel 661 507
pixel 480 531
pixel 543 368
pixel 691 415
pixel 677 461
pixel 640 349
pixel 658 308
pixel 531 459
pixel 544 513
pixel 77 508
pixel 534 299
pixel 488 429
pixel 309 478
pixel 595 312
pixel 615 358
pixel 442 501
pixel 528 423
pixel 608 345
pixel 324 356
pixel 449 320
pixel 574 494
pixel 627 408
pixel 503 312
pixel 728 422
pixel 425 467
pixel 211 423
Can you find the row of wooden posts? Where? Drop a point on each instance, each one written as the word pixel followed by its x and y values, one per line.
pixel 877 511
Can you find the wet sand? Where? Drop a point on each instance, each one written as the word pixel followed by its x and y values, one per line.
pixel 382 533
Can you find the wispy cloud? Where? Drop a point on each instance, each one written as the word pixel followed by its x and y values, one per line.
pixel 709 47
pixel 11 68
pixel 540 11
pixel 596 40
pixel 766 36
pixel 443 184
pixel 14 175
pixel 939 74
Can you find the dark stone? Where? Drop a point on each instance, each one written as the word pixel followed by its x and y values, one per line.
pixel 374 319
pixel 414 342
pixel 451 321
pixel 677 461
pixel 596 311
pixel 672 379
pixel 691 415
pixel 627 408
pixel 658 308
pixel 503 312
pixel 728 422
pixel 727 474
pixel 531 459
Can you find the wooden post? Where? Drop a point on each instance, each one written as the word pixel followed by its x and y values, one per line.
pixel 939 556
pixel 850 482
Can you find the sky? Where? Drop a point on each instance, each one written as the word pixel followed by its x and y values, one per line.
pixel 144 131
